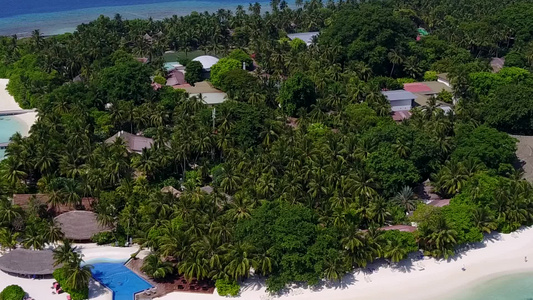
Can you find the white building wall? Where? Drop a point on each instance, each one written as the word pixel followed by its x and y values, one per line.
pixel 397 105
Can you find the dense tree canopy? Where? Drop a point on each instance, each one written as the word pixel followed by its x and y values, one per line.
pixel 296 173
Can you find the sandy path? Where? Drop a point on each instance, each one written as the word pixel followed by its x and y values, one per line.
pixel 414 280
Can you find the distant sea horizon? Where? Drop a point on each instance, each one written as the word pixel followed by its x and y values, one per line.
pixel 52 17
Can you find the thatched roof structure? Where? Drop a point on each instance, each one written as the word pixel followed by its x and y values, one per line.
pixel 404 228
pixel 23 200
pixel 79 225
pixel 171 190
pixel 28 262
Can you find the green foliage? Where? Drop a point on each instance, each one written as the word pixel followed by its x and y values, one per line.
pixel 127 80
pixel 398 244
pixel 510 109
pixel 238 84
pixel 297 45
pixel 29 82
pixel 486 145
pixel 445 96
pixel 193 72
pixel 430 76
pixel 103 238
pixel 12 292
pixel 241 56
pixel 367 32
pixel 154 267
pixel 227 287
pixel 298 91
pixel 221 68
pixel 61 275
pixel 461 218
pixel 160 79
pixel 393 171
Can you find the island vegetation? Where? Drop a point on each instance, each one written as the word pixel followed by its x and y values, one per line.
pixel 304 159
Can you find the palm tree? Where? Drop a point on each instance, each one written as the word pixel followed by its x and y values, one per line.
pixel 406 198
pixel 52 233
pixel 79 276
pixel 155 268
pixel 395 251
pixel 395 58
pixel 64 253
pixel 240 260
pixel 483 220
pixel 8 238
pixel 451 178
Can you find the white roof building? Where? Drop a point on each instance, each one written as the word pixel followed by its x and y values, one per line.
pixel 207 61
pixel 307 37
pixel 211 98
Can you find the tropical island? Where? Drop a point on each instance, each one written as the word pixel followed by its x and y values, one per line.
pixel 292 149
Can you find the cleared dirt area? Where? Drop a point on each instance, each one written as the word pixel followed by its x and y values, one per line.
pixel 524 153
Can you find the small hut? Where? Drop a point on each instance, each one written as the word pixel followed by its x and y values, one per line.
pixel 24 262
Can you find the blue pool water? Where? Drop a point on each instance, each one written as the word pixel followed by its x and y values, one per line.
pixel 121 280
pixel 8 127
pixel 507 287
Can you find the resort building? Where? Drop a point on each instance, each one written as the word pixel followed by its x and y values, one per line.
pixel 205 91
pixel 400 99
pixel 443 78
pixel 24 201
pixel 427 89
pixel 28 263
pixel 207 62
pixel 307 37
pixel 80 225
pixel 134 143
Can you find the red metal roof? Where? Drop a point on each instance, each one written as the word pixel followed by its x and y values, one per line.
pixel 416 87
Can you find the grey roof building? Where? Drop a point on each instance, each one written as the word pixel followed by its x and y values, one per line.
pixel 400 100
pixel 28 262
pixel 79 225
pixel 134 143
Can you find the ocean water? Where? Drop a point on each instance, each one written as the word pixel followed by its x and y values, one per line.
pixel 508 287
pixel 21 17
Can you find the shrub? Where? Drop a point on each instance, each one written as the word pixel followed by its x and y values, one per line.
pixel 12 292
pixel 430 76
pixel 227 287
pixel 405 80
pixel 75 294
pixel 445 96
pixel 193 72
pixel 103 238
pixel 223 66
pixel 160 80
pixel 242 56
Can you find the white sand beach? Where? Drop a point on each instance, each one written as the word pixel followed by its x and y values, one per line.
pixel 7 102
pixel 426 279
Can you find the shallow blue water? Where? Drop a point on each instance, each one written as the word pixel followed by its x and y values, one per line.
pixel 21 17
pixel 121 280
pixel 508 287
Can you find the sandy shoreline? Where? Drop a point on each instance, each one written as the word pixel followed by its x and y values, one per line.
pixel 497 255
pixel 7 102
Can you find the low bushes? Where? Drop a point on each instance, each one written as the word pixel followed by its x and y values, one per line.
pixel 12 292
pixel 227 287
pixel 75 294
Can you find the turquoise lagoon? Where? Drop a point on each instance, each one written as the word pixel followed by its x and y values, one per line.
pixel 8 126
pixel 507 287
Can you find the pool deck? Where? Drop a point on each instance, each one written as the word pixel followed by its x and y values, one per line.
pixel 174 284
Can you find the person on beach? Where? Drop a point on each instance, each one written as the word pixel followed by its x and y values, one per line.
pixel 463 268
pixel 525 258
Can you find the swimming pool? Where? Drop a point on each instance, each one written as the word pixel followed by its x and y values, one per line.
pixel 8 127
pixel 121 280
